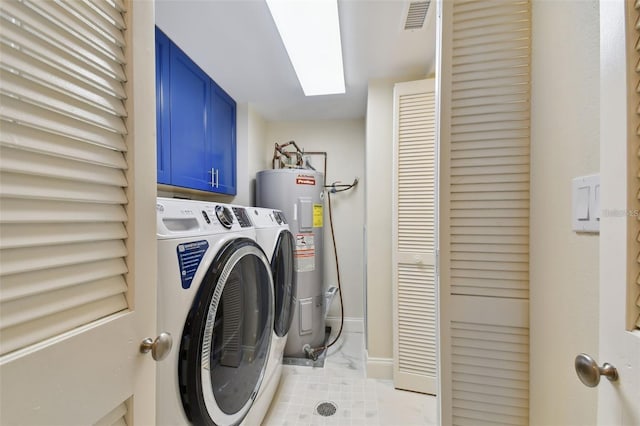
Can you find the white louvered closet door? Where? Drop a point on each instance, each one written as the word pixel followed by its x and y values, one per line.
pixel 414 278
pixel 484 211
pixel 77 202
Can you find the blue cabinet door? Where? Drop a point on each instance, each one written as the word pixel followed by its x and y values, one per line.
pixel 163 139
pixel 195 124
pixel 190 134
pixel 223 148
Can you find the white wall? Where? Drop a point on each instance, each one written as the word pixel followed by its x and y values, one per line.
pixel 343 140
pixel 564 265
pixel 379 162
pixel 243 134
pixel 251 152
pixel 259 150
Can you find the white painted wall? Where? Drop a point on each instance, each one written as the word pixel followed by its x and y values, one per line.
pixel 564 265
pixel 343 140
pixel 251 152
pixel 243 135
pixel 259 150
pixel 379 162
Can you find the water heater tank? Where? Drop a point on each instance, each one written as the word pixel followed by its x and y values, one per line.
pixel 298 193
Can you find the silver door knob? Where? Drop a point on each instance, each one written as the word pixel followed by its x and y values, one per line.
pixel 589 371
pixel 159 348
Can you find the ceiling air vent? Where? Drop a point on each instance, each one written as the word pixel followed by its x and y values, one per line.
pixel 416 14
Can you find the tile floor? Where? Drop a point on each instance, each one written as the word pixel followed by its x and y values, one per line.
pixel 359 401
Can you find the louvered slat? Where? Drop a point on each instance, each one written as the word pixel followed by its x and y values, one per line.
pixel 416 172
pixel 110 13
pixel 33 283
pixel 62 251
pixel 21 161
pixel 115 417
pixel 86 36
pixel 484 168
pixel 490 383
pixel 416 320
pixel 97 22
pixel 57 123
pixel 36 34
pixel 27 139
pixel 57 81
pixel 33 235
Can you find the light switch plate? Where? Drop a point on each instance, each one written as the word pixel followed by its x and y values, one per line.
pixel 585 194
pixel 581 210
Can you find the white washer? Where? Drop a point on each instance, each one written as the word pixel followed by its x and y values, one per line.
pixel 215 297
pixel 273 235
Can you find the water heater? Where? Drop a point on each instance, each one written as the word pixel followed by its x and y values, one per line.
pixel 298 193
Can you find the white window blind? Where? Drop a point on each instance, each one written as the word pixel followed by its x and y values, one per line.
pixel 634 297
pixel 62 216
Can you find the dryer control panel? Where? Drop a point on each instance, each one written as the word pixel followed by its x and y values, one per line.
pixel 267 218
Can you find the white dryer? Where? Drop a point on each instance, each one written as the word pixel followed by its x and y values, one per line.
pixel 273 235
pixel 215 297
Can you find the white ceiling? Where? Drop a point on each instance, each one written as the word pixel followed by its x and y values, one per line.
pixel 237 44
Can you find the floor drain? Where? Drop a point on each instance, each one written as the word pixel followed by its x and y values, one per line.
pixel 326 409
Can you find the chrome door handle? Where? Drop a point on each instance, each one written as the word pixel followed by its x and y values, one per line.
pixel 589 371
pixel 212 172
pixel 160 347
pixel 215 177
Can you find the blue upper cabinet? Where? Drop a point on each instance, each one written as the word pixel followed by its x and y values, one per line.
pixel 190 133
pixel 224 129
pixel 197 127
pixel 162 108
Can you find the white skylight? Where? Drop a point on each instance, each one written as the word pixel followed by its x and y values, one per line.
pixel 310 31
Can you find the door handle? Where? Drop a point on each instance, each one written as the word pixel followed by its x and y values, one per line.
pixel 160 347
pixel 215 177
pixel 589 371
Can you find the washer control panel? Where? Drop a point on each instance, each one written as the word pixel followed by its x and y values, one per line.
pixel 242 216
pixel 224 216
pixel 185 217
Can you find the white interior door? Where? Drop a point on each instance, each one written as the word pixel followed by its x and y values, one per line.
pixel 618 402
pixel 483 203
pixel 414 237
pixel 78 258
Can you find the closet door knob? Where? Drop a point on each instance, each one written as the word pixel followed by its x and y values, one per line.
pixel 589 371
pixel 160 347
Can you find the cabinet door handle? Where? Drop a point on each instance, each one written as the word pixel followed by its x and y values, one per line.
pixel 215 177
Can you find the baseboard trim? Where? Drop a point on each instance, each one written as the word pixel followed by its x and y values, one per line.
pixel 351 325
pixel 379 368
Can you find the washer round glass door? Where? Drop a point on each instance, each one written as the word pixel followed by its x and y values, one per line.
pixel 284 280
pixel 227 335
